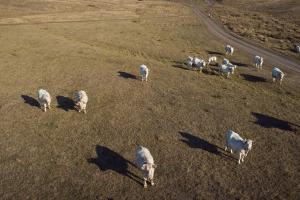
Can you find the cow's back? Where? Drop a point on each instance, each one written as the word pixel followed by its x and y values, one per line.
pixel 143 156
pixel 234 140
pixel 81 96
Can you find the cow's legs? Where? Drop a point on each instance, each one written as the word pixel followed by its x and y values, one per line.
pixel 240 155
pixel 145 182
pixel 152 182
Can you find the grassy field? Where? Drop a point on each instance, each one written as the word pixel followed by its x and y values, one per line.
pixel 180 115
pixel 273 24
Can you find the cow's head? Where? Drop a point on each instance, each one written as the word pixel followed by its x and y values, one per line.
pixel 81 105
pixel 225 61
pixel 148 169
pixel 248 144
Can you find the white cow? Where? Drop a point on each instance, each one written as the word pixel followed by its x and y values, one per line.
pixel 144 72
pixel 212 59
pixel 81 99
pixel 145 163
pixel 297 47
pixel 44 99
pixel 189 62
pixel 225 61
pixel 190 58
pixel 199 63
pixel 237 144
pixel 277 75
pixel 258 61
pixel 232 66
pixel 229 50
pixel 225 69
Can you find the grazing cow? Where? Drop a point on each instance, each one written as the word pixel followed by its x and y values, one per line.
pixel 199 63
pixel 189 62
pixel 277 75
pixel 212 59
pixel 297 48
pixel 145 163
pixel 44 99
pixel 237 144
pixel 225 61
pixel 258 61
pixel 225 69
pixel 232 66
pixel 81 99
pixel 144 72
pixel 229 50
pixel 190 58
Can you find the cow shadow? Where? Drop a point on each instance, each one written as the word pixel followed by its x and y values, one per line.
pixel 293 49
pixel 65 103
pixel 196 142
pixel 107 159
pixel 271 122
pixel 127 75
pixel 253 78
pixel 30 101
pixel 181 65
pixel 214 64
pixel 214 53
pixel 239 64
pixel 211 71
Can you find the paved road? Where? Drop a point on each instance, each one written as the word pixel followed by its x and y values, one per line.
pixel 244 44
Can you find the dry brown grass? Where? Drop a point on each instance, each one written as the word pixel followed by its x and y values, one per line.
pixel 180 115
pixel 275 25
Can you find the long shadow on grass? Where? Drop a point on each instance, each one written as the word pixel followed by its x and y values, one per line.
pixel 271 122
pixel 211 71
pixel 127 75
pixel 30 100
pixel 65 103
pixel 107 159
pixel 180 65
pixel 196 142
pixel 214 52
pixel 239 64
pixel 252 78
pixel 293 49
pixel 214 64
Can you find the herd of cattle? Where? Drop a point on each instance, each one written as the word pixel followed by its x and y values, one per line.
pixel 80 100
pixel 227 68
pixel 144 160
pixel 234 142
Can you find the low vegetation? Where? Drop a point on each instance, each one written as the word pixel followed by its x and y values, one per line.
pixel 275 25
pixel 180 115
